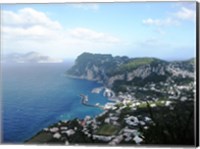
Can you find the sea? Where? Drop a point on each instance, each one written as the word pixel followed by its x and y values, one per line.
pixel 35 96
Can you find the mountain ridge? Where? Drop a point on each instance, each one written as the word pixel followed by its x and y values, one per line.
pixel 106 69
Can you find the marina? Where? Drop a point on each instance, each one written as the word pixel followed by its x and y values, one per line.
pixel 84 101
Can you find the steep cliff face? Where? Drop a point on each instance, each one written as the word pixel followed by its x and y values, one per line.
pixel 108 70
pixel 143 72
pixel 96 67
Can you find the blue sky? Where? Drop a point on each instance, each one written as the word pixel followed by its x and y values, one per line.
pixel 147 29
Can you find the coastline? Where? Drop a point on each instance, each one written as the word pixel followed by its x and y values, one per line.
pixel 98 90
pixel 127 119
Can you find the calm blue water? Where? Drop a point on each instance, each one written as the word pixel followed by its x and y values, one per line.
pixel 37 95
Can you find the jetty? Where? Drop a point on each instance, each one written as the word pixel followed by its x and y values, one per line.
pixel 84 101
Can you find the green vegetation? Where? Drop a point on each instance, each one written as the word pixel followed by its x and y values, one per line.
pixel 42 137
pixel 183 81
pixel 157 103
pixel 107 130
pixel 172 126
pixel 108 65
pixel 135 63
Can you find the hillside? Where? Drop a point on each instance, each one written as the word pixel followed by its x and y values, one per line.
pixel 166 124
pixel 122 73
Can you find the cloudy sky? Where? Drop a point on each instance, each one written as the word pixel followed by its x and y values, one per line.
pixel 165 30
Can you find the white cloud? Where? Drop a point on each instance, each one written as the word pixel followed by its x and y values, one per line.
pixel 28 17
pixel 93 7
pixel 33 32
pixel 150 21
pixel 185 14
pixel 30 30
pixel 174 19
pixel 88 34
pixel 160 22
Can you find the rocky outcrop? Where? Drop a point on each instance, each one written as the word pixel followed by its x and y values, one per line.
pixel 179 71
pixel 107 69
pixel 145 71
pixel 114 78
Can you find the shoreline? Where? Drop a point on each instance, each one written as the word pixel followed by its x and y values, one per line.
pixel 98 90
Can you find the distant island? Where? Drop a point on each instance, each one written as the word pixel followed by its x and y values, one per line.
pixel 153 103
pixel 30 57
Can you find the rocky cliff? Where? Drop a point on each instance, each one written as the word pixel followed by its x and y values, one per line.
pixel 109 70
